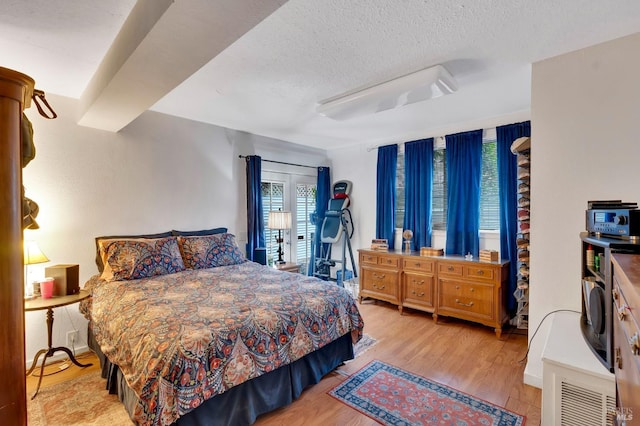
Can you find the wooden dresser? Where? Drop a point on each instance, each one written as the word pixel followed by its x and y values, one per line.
pixel 626 335
pixel 444 285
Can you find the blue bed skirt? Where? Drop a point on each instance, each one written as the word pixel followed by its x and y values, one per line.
pixel 242 404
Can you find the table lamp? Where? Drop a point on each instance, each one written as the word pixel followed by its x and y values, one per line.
pixel 32 255
pixel 279 220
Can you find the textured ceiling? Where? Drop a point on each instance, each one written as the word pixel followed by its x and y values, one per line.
pixel 269 80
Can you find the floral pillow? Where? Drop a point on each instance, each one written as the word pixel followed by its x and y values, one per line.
pixel 99 262
pixel 210 251
pixel 131 259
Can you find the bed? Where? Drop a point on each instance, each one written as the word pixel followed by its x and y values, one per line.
pixel 191 333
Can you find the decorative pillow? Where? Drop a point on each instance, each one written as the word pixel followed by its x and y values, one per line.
pixel 199 233
pixel 99 262
pixel 131 259
pixel 210 251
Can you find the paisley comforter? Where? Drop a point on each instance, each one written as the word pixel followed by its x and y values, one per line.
pixel 182 338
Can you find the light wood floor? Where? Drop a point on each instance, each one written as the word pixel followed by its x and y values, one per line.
pixel 62 371
pixel 462 355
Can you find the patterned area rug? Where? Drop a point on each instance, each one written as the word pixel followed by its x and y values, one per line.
pixel 393 396
pixel 81 401
pixel 363 345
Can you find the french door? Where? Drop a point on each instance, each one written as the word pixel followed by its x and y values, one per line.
pixel 297 194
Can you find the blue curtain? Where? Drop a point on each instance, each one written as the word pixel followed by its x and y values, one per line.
pixel 386 192
pixel 418 176
pixel 508 188
pixel 323 195
pixel 464 170
pixel 255 222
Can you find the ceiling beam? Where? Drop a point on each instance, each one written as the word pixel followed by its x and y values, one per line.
pixel 161 44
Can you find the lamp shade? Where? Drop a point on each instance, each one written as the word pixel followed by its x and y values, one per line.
pixel 279 220
pixel 33 254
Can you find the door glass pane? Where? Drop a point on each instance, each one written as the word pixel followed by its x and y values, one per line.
pixel 305 204
pixel 272 199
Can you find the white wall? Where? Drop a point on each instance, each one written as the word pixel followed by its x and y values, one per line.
pixel 157 174
pixel 585 107
pixel 358 164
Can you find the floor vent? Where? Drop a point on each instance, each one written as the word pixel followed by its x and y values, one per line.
pixel 580 406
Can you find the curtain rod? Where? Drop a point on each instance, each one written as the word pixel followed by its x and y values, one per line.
pixel 372 147
pixel 282 162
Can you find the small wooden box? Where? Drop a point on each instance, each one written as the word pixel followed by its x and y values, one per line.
pixel 65 277
pixel 430 251
pixel 488 256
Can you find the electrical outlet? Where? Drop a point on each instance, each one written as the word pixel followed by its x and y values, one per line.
pixel 72 338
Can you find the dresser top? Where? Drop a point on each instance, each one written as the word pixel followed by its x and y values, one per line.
pixel 454 257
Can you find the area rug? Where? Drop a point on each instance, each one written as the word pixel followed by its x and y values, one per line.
pixel 393 396
pixel 363 345
pixel 80 401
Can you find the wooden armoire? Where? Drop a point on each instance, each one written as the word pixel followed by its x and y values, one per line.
pixel 16 90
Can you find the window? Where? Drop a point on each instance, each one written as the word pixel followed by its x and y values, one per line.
pixel 489 197
pixel 297 194
pixel 305 204
pixel 439 196
pixel 400 188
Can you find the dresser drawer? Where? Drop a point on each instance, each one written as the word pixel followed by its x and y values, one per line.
pixel 389 261
pixel 475 300
pixel 451 269
pixel 480 272
pixel 418 290
pixel 627 319
pixel 627 373
pixel 380 281
pixel 418 265
pixel 375 259
pixel 368 259
pixel 626 333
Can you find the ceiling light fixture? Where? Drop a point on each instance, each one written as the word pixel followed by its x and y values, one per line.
pixel 419 86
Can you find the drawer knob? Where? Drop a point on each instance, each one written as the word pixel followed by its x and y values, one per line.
pixel 615 293
pixel 635 344
pixel 457 287
pixel 472 289
pixel 381 287
pixel 622 313
pixel 421 294
pixel 480 272
pixel 379 276
pixel 618 358
pixel 450 268
pixel 464 304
